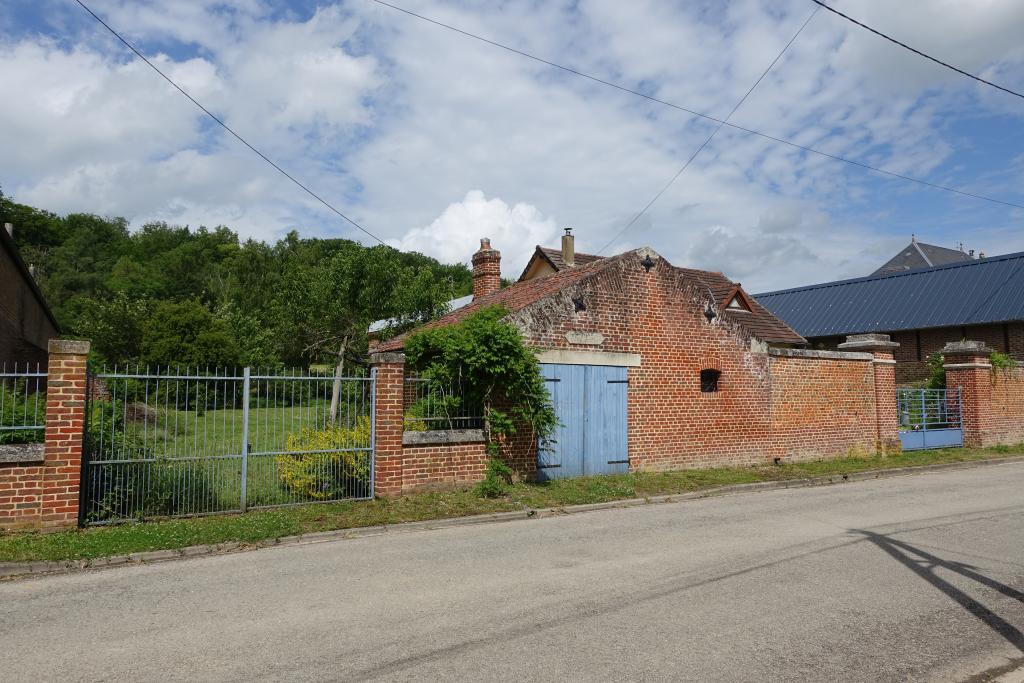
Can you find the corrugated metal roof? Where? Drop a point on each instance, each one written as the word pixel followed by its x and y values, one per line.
pixel 988 290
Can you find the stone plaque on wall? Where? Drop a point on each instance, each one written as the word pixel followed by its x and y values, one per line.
pixel 585 338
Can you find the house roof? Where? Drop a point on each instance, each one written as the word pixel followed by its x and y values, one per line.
pixel 973 292
pixel 920 255
pixel 554 257
pixel 379 325
pixel 758 321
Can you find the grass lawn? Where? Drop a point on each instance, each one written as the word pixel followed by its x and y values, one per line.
pixel 262 525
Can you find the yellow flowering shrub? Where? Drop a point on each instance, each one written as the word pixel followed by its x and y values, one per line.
pixel 314 468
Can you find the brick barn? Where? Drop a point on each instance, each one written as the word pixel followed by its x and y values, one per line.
pixel 651 367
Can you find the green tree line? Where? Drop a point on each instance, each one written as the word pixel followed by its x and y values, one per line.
pixel 168 294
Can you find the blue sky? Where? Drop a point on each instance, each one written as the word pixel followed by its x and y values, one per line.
pixel 432 140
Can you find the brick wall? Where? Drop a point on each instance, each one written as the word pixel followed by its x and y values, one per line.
pixel 440 466
pixel 822 406
pixel 1007 420
pixel 917 345
pixel 45 493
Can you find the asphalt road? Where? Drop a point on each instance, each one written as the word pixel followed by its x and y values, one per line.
pixel 913 578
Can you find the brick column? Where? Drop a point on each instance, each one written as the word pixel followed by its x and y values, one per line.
pixel 969 369
pixel 389 406
pixel 887 421
pixel 65 425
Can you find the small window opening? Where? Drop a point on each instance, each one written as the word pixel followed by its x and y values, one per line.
pixel 709 380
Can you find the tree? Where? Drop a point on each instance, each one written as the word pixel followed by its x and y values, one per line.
pixel 188 334
pixel 331 303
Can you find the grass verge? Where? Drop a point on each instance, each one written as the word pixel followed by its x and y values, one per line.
pixel 263 525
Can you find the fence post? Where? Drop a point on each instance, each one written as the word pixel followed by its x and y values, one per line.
pixel 245 436
pixel 887 421
pixel 969 369
pixel 65 426
pixel 388 406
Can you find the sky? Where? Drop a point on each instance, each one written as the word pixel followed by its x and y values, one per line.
pixel 432 140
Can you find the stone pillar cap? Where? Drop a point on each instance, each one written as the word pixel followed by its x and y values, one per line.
pixel 868 342
pixel 966 348
pixel 387 357
pixel 77 347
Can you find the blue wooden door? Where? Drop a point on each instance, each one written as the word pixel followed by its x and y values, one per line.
pixel 604 437
pixel 591 438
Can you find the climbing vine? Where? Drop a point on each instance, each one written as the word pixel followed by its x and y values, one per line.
pixel 496 369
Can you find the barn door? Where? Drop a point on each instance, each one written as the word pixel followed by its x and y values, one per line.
pixel 590 402
pixel 605 444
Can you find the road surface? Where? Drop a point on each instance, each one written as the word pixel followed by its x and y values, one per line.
pixel 911 578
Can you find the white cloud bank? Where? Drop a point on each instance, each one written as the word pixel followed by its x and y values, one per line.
pixel 513 230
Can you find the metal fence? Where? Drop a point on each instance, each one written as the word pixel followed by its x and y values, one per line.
pixel 431 405
pixel 171 442
pixel 22 403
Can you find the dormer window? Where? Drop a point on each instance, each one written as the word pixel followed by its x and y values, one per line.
pixel 736 304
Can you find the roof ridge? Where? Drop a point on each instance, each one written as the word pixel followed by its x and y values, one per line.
pixel 905 273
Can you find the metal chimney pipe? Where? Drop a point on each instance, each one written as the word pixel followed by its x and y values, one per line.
pixel 568 248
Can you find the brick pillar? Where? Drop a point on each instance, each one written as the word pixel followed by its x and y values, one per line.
pixel 65 425
pixel 887 423
pixel 969 369
pixel 389 373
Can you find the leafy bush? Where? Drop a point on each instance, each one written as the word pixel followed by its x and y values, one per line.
pixel 314 469
pixel 936 373
pixel 497 479
pixel 18 409
pixel 1001 362
pixel 496 369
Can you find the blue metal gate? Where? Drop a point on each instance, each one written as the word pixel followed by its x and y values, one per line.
pixel 590 402
pixel 929 418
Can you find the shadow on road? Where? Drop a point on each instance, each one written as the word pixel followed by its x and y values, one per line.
pixel 924 565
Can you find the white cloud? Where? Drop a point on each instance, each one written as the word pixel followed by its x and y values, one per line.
pixel 513 230
pixel 391 119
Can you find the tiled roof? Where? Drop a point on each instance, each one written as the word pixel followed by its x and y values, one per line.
pixel 555 256
pixel 974 292
pixel 758 321
pixel 920 255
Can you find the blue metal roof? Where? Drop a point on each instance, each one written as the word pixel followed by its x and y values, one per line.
pixel 988 290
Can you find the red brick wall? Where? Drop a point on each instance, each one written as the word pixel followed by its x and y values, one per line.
pixel 822 407
pixel 1007 420
pixel 440 466
pixel 21 491
pixel 388 417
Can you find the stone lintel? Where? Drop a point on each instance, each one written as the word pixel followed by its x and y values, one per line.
pixel 579 357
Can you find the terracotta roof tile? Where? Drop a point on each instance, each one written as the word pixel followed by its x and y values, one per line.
pixel 758 321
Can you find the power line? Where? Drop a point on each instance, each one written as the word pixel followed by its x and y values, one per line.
pixel 915 50
pixel 734 126
pixel 713 133
pixel 224 125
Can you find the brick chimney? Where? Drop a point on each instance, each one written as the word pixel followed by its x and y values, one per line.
pixel 486 270
pixel 569 248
